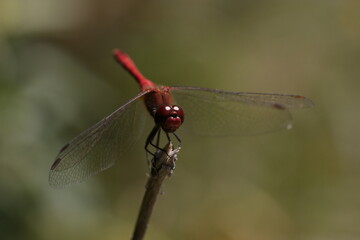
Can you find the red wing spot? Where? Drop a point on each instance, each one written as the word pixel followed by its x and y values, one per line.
pixel 298 96
pixel 278 106
pixel 64 147
pixel 57 161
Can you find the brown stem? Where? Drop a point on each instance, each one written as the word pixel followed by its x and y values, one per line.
pixel 162 166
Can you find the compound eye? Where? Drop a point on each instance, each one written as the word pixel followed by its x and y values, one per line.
pixel 179 112
pixel 162 113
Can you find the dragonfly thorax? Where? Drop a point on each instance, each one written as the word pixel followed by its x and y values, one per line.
pixel 169 117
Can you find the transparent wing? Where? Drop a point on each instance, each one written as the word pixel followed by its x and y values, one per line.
pixel 221 113
pixel 98 147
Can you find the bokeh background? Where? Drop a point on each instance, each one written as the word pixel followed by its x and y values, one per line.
pixel 58 77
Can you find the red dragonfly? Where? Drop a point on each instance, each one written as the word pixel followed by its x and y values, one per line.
pixel 208 112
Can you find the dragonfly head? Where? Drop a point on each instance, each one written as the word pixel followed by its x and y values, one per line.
pixel 169 117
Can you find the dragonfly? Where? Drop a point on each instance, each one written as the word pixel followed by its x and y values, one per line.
pixel 203 111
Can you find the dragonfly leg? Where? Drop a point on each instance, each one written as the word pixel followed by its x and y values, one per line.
pixel 178 138
pixel 158 139
pixel 150 138
pixel 168 137
pixel 157 142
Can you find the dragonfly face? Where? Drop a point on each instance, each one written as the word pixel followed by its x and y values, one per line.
pixel 169 117
pixel 159 103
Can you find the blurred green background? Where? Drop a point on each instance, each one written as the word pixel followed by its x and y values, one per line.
pixel 58 77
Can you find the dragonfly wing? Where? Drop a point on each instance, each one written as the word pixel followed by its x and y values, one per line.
pixel 98 147
pixel 216 113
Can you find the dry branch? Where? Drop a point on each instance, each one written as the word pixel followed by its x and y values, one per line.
pixel 162 166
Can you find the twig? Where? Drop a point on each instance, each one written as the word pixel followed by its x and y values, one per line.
pixel 162 166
